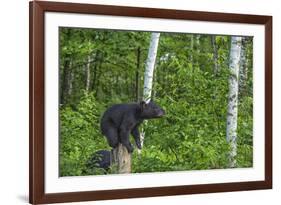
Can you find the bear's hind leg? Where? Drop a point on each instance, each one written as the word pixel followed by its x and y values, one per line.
pixel 111 135
pixel 124 139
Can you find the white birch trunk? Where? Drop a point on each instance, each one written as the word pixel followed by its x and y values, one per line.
pixel 232 110
pixel 88 73
pixel 150 64
pixel 148 76
pixel 243 65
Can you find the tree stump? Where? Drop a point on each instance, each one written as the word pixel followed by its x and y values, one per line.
pixel 122 159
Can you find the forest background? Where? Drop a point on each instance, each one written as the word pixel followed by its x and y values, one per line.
pixel 99 68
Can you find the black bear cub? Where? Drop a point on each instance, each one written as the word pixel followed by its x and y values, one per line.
pixel 100 159
pixel 121 120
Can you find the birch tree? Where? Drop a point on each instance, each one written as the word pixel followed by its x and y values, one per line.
pixel 232 110
pixel 150 64
pixel 137 73
pixel 243 72
pixel 88 72
pixel 149 70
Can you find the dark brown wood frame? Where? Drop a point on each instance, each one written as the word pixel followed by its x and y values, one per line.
pixel 37 95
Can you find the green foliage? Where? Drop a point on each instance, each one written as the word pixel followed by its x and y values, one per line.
pixel 192 134
pixel 79 135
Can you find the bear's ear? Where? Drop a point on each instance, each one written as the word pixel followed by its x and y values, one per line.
pixel 142 105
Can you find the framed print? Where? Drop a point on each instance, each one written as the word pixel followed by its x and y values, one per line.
pixel 139 102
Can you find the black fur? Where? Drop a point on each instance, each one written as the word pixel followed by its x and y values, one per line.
pixel 100 159
pixel 121 120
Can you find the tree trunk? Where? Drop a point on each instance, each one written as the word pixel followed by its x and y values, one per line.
pixel 197 47
pixel 65 77
pixel 191 58
pixel 97 60
pixel 148 76
pixel 88 72
pixel 67 82
pixel 122 159
pixel 232 110
pixel 215 54
pixel 66 73
pixel 70 80
pixel 99 72
pixel 198 42
pixel 150 64
pixel 243 72
pixel 137 74
pixel 191 49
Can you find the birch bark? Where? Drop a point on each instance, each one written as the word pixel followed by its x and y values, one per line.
pixel 243 65
pixel 232 110
pixel 150 64
pixel 137 74
pixel 88 72
pixel 148 76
